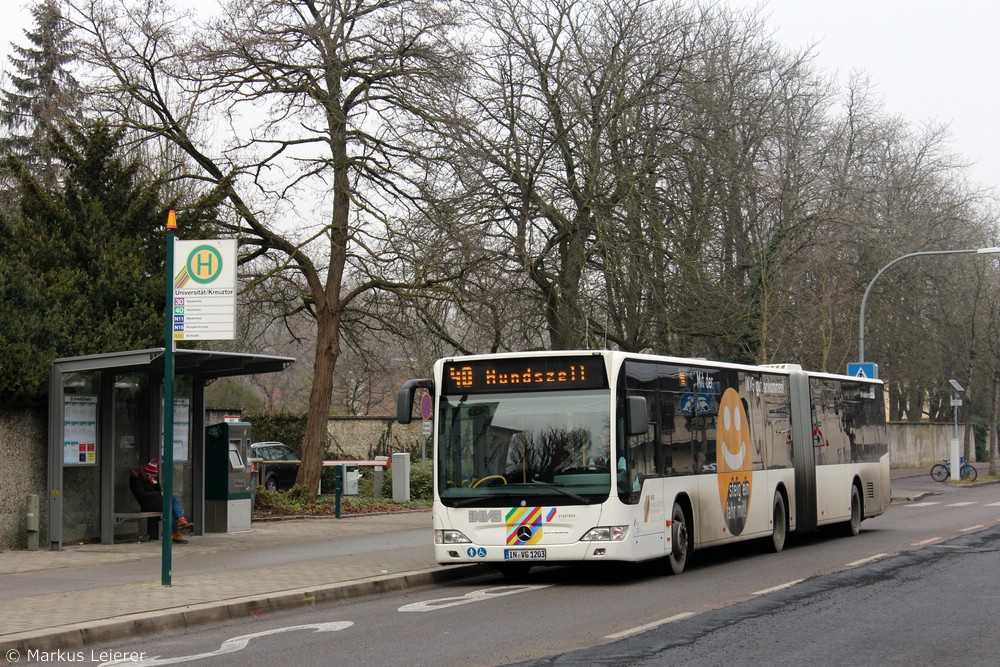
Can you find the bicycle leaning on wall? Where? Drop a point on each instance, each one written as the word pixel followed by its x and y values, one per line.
pixel 940 472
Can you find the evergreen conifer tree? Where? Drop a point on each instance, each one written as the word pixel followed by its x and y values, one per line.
pixel 82 269
pixel 39 90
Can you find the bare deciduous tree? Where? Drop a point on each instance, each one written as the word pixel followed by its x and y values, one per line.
pixel 297 115
pixel 553 135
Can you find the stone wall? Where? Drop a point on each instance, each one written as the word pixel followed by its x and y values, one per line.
pixel 921 444
pixel 365 437
pixel 355 437
pixel 24 455
pixel 916 444
pixel 23 459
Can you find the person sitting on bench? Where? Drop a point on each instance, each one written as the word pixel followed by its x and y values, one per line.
pixel 145 486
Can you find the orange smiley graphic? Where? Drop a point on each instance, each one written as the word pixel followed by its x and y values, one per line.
pixel 734 461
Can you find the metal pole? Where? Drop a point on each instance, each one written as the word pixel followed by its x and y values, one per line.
pixel 339 472
pixel 864 299
pixel 167 462
pixel 956 456
pixel 956 403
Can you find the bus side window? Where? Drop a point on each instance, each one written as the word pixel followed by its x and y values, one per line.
pixel 636 461
pixel 683 463
pixel 622 467
pixel 665 421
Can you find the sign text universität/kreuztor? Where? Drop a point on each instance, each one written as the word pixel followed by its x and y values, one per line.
pixel 204 294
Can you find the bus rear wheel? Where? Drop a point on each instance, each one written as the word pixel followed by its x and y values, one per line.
pixel 779 531
pixel 853 525
pixel 680 539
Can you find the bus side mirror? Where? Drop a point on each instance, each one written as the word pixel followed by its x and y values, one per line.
pixel 636 417
pixel 404 399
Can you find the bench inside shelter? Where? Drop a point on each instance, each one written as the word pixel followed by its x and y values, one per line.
pixel 152 519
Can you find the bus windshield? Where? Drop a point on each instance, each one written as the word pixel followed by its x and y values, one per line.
pixel 541 447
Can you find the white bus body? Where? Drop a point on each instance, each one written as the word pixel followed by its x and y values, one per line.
pixel 550 457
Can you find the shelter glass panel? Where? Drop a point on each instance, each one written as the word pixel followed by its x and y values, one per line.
pixel 81 492
pixel 131 445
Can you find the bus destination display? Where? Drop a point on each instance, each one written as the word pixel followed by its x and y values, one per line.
pixel 537 373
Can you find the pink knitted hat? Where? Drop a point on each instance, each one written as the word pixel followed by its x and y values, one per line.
pixel 152 468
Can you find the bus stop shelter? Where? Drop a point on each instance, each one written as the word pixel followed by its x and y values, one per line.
pixel 106 420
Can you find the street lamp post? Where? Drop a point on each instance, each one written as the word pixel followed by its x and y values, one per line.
pixel 956 457
pixel 864 299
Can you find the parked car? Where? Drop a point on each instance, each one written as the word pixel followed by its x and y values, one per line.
pixel 279 466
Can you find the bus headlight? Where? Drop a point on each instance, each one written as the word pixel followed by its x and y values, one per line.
pixel 605 534
pixel 450 537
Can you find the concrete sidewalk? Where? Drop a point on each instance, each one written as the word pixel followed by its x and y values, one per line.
pixel 101 594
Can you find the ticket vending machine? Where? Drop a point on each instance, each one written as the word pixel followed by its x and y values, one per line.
pixel 228 503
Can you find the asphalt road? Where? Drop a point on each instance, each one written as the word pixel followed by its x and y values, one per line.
pixel 916 587
pixel 934 606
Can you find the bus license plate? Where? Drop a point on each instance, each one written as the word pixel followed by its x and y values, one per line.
pixel 524 554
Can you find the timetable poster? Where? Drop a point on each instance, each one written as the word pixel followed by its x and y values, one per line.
pixel 80 430
pixel 182 426
pixel 182 429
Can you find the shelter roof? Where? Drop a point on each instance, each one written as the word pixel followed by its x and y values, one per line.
pixel 205 363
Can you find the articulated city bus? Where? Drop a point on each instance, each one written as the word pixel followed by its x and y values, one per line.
pixel 553 457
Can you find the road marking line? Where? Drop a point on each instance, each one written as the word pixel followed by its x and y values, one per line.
pixel 473 596
pixel 994 505
pixel 925 504
pixel 650 626
pixel 779 587
pixel 927 541
pixel 230 645
pixel 865 561
pixel 962 504
pixel 972 528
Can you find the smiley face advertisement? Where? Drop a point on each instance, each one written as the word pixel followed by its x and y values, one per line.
pixel 734 461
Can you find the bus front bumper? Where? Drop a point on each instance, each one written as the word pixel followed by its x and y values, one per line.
pixel 540 554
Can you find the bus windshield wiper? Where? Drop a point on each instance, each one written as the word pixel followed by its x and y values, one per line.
pixel 560 489
pixel 469 501
pixel 512 490
pixel 496 491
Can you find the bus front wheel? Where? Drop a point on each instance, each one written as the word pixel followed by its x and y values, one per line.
pixel 680 539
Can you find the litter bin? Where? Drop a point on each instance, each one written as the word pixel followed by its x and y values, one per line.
pixel 228 497
pixel 349 477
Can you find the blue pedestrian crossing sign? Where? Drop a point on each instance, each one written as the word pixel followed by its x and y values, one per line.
pixel 863 370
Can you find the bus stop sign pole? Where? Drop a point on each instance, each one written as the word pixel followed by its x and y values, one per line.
pixel 167 462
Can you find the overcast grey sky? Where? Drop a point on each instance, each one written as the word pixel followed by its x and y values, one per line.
pixel 929 60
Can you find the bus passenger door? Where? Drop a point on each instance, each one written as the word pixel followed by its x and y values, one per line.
pixel 651 521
